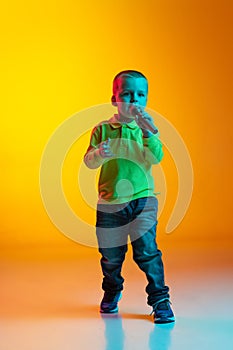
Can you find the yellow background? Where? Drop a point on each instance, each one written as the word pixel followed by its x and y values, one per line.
pixel 59 57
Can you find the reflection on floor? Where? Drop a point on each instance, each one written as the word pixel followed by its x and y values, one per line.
pixel 49 300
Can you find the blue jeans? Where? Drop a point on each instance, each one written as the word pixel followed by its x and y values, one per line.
pixel 138 220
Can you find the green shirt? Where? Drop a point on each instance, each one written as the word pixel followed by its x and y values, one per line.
pixel 128 175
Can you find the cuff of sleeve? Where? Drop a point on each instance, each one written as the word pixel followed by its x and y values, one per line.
pixel 97 157
pixel 147 141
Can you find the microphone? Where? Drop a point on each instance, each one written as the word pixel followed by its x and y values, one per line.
pixel 144 123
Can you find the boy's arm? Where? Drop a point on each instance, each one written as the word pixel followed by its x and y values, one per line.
pixel 153 149
pixel 92 157
pixel 152 144
pixel 98 151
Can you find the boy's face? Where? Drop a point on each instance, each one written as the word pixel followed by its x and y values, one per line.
pixel 131 91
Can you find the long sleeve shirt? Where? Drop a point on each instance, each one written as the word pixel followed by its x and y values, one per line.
pixel 127 175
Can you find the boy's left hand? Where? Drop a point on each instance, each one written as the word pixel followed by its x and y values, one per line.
pixel 145 122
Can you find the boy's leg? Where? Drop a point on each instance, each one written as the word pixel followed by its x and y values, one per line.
pixel 149 259
pixel 112 240
pixel 111 263
pixel 145 251
pixel 111 230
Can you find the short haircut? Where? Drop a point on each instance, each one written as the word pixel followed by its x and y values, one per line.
pixel 126 73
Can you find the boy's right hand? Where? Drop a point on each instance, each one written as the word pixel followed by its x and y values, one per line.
pixel 105 149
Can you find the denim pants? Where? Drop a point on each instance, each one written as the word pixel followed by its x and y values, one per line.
pixel 136 219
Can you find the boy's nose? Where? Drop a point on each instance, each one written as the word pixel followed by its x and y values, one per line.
pixel 134 98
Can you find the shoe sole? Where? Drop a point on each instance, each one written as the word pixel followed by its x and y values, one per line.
pixel 114 311
pixel 164 320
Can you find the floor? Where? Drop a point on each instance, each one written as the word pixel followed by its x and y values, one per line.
pixel 49 300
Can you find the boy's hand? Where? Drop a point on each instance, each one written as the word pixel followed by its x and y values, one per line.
pixel 105 149
pixel 145 122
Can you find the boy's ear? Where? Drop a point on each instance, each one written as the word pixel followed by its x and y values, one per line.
pixel 113 99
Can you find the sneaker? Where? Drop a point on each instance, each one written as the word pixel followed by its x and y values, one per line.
pixel 109 302
pixel 162 312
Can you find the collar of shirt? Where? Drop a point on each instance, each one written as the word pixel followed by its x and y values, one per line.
pixel 115 123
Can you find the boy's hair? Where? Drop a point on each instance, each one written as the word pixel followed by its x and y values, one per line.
pixel 126 73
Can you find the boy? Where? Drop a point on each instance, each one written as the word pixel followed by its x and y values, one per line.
pixel 126 146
